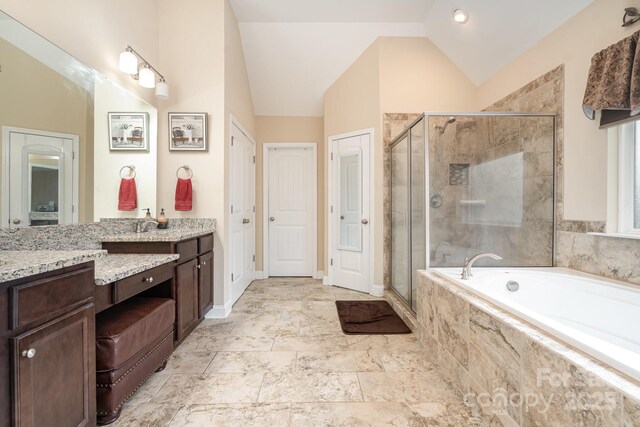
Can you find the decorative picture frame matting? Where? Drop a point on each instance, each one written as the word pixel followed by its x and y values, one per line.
pixel 128 131
pixel 188 131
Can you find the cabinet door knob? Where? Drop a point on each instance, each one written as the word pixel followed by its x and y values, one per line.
pixel 272 219
pixel 29 354
pixel 204 263
pixel 149 279
pixel 199 266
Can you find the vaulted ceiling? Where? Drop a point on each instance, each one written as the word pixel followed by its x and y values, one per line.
pixel 295 49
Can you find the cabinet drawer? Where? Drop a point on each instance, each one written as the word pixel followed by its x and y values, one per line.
pixel 205 244
pixel 133 285
pixel 38 300
pixel 187 249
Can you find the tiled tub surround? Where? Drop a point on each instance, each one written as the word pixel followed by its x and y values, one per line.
pixel 18 264
pixel 512 372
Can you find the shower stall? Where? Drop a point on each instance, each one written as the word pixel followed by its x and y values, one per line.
pixel 465 183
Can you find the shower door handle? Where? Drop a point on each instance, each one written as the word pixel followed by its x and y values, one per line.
pixel 365 221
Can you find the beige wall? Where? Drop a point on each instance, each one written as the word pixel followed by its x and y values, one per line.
pixel 395 74
pixel 416 76
pixel 26 82
pixel 289 129
pixel 585 152
pixel 193 60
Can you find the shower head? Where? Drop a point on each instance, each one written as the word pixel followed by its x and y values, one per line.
pixel 441 129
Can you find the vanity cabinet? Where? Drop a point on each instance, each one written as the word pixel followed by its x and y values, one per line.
pixel 48 349
pixel 193 284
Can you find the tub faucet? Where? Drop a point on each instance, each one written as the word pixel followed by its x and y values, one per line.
pixel 142 226
pixel 466 270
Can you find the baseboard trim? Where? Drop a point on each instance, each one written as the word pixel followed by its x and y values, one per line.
pixel 319 275
pixel 219 311
pixel 325 280
pixel 377 290
pixel 259 275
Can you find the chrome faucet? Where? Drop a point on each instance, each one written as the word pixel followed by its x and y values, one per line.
pixel 142 226
pixel 466 270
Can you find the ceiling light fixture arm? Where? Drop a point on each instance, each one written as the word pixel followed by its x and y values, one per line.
pixel 144 63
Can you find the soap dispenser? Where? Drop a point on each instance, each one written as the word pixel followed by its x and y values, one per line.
pixel 147 217
pixel 163 222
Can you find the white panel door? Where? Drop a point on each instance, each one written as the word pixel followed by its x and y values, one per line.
pixel 350 239
pixel 41 176
pixel 242 198
pixel 291 210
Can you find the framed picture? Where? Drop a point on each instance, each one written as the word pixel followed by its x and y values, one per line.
pixel 188 131
pixel 128 132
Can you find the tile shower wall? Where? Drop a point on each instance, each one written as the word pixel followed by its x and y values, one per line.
pixel 495 176
pixel 610 257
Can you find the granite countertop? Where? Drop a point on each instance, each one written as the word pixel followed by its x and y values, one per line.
pixel 19 264
pixel 118 266
pixel 155 235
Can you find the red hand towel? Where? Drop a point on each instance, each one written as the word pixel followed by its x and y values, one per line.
pixel 184 194
pixel 128 195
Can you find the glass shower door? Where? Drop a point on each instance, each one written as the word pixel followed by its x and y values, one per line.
pixel 400 279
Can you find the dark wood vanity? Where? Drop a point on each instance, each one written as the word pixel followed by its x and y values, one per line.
pixel 47 361
pixel 47 337
pixel 192 286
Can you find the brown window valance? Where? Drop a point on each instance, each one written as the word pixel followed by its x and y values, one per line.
pixel 614 82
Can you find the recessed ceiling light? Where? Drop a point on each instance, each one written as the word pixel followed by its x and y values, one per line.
pixel 460 16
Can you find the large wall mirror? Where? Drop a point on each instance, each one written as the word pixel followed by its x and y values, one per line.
pixel 57 164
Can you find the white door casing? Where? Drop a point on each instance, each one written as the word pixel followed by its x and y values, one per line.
pixel 18 144
pixel 242 216
pixel 350 220
pixel 290 209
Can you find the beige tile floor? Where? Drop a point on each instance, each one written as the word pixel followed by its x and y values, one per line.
pixel 281 359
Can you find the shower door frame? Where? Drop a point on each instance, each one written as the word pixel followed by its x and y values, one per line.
pixel 396 141
pixel 427 219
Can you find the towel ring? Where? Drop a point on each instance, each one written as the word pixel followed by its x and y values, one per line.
pixel 187 169
pixel 132 171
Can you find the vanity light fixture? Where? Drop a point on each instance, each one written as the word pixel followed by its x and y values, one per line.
pixel 131 62
pixel 460 16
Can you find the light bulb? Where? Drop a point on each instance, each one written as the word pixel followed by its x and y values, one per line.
pixel 146 77
pixel 460 16
pixel 128 63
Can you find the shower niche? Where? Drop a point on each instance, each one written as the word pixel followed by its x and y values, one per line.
pixel 466 183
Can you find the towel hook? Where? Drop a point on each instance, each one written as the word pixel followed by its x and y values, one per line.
pixel 132 171
pixel 631 16
pixel 187 169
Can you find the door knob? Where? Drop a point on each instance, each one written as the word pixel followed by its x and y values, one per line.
pixel 341 216
pixel 246 220
pixel 272 219
pixel 365 221
pixel 16 221
pixel 29 354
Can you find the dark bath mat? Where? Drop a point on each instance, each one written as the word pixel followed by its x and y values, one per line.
pixel 370 318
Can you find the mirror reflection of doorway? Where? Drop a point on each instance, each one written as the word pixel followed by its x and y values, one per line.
pixel 39 178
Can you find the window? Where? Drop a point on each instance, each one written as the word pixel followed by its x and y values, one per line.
pixel 628 217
